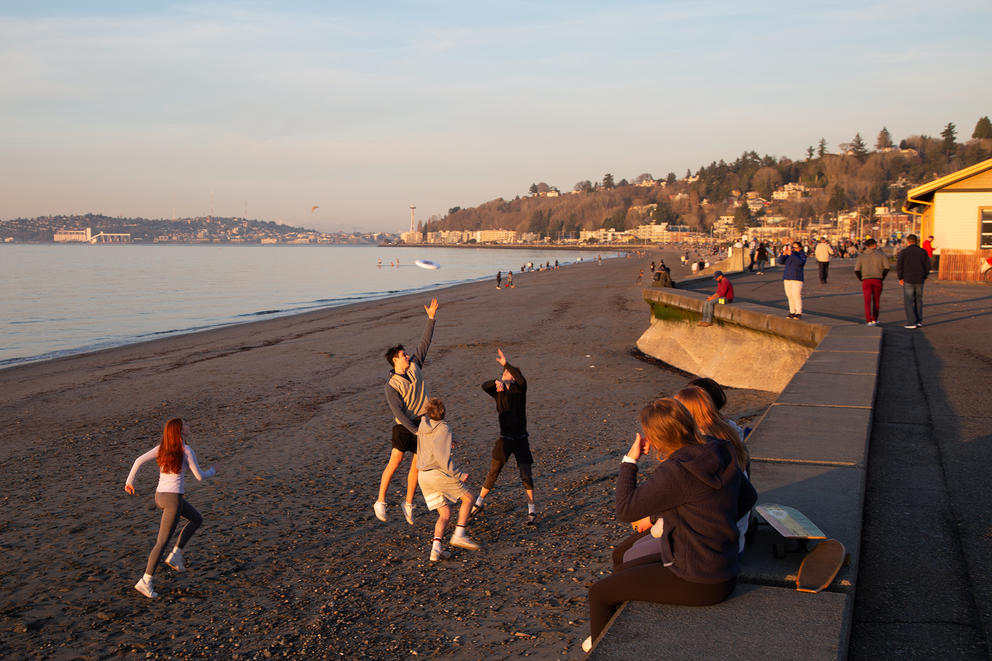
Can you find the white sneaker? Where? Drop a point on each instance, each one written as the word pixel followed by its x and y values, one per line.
pixel 380 510
pixel 439 555
pixel 587 644
pixel 463 541
pixel 175 559
pixel 145 588
pixel 408 512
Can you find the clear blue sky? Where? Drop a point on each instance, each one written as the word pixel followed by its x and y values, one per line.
pixel 154 108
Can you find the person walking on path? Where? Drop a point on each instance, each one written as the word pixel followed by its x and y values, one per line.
pixel 499 278
pixel 871 267
pixel 793 258
pixel 440 481
pixel 928 246
pixel 823 253
pixel 696 494
pixel 724 294
pixel 510 393
pixel 912 269
pixel 173 456
pixel 406 395
pixel 762 256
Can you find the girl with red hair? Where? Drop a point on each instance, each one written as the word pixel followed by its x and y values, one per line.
pixel 172 456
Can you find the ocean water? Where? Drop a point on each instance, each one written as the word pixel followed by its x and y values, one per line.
pixel 57 300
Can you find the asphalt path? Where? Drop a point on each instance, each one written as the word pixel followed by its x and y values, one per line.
pixel 924 586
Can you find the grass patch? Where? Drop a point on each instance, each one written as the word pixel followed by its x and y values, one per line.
pixel 671 313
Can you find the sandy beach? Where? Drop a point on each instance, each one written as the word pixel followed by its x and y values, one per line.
pixel 290 560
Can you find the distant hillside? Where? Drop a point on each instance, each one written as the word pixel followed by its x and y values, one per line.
pixel 857 177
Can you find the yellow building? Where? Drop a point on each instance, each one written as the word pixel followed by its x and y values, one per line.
pixel 957 211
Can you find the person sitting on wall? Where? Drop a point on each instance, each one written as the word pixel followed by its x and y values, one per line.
pixel 724 294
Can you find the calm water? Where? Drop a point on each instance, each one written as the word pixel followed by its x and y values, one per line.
pixel 61 299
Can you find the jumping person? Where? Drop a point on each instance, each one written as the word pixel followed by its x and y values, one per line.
pixel 172 456
pixel 510 393
pixel 406 395
pixel 698 493
pixel 440 482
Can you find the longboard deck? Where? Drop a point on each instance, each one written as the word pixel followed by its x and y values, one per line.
pixel 789 522
pixel 820 567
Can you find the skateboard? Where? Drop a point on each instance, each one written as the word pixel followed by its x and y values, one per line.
pixel 820 567
pixel 792 525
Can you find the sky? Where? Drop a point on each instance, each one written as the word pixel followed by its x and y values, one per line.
pixel 179 109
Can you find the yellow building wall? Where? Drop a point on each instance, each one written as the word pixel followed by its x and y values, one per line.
pixel 956 218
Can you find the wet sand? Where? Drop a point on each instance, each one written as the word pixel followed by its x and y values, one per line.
pixel 290 560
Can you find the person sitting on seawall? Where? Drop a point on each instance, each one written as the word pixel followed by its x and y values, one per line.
pixel 712 425
pixel 698 493
pixel 724 294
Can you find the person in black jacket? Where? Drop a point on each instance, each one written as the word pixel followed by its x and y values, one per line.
pixel 912 268
pixel 510 393
pixel 696 496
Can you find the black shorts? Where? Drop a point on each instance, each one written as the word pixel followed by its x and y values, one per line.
pixel 403 440
pixel 520 448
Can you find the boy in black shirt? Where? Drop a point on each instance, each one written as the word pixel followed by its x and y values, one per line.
pixel 510 393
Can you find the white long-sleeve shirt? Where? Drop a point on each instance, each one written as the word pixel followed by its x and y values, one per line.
pixel 171 482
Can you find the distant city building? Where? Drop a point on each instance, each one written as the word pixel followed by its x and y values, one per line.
pixel 74 236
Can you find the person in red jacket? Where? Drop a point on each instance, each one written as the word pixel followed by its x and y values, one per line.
pixel 724 294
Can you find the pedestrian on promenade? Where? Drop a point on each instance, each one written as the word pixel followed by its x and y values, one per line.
pixel 793 258
pixel 761 254
pixel 510 393
pixel 440 481
pixel 406 395
pixel 172 455
pixel 871 267
pixel 724 294
pixel 912 269
pixel 928 246
pixel 823 253
pixel 697 494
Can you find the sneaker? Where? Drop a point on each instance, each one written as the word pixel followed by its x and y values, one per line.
pixel 871 323
pixel 439 555
pixel 587 644
pixel 380 510
pixel 704 323
pixel 408 512
pixel 175 559
pixel 476 509
pixel 145 588
pixel 910 326
pixel 790 316
pixel 531 518
pixel 797 316
pixel 463 541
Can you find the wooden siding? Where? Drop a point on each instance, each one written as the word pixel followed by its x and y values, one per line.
pixel 962 265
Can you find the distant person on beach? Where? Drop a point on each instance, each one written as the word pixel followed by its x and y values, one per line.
pixel 724 294
pixel 499 278
pixel 823 253
pixel 509 279
pixel 440 481
pixel 871 267
pixel 172 455
pixel 406 395
pixel 793 258
pixel 697 494
pixel 510 393
pixel 912 267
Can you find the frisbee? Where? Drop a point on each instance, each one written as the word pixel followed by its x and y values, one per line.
pixel 427 264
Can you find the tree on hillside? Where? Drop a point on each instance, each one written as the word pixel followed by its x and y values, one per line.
pixel 821 148
pixel 641 178
pixel 742 217
pixel 664 213
pixel 622 183
pixel 949 134
pixel 858 147
pixel 838 199
pixel 583 186
pixel 765 181
pixel 671 178
pixel 983 129
pixel 539 222
pixel 884 140
pixel 533 189
pixel 809 153
pixel 608 181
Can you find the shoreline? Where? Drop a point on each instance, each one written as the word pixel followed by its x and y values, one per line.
pixel 290 559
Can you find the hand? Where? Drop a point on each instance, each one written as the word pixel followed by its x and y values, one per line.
pixel 502 358
pixel 642 525
pixel 463 477
pixel 431 309
pixel 500 386
pixel 130 489
pixel 638 448
pixel 901 283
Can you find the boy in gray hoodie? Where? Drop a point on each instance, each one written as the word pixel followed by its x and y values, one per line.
pixel 440 481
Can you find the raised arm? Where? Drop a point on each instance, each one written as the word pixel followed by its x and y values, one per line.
pixel 425 340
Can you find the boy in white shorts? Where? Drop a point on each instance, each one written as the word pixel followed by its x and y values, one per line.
pixel 440 481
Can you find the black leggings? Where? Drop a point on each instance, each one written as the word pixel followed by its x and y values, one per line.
pixel 173 506
pixel 646 579
pixel 501 452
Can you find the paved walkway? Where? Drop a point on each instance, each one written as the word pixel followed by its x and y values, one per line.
pixel 925 576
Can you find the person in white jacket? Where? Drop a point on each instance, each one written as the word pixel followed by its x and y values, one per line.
pixel 440 481
pixel 172 455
